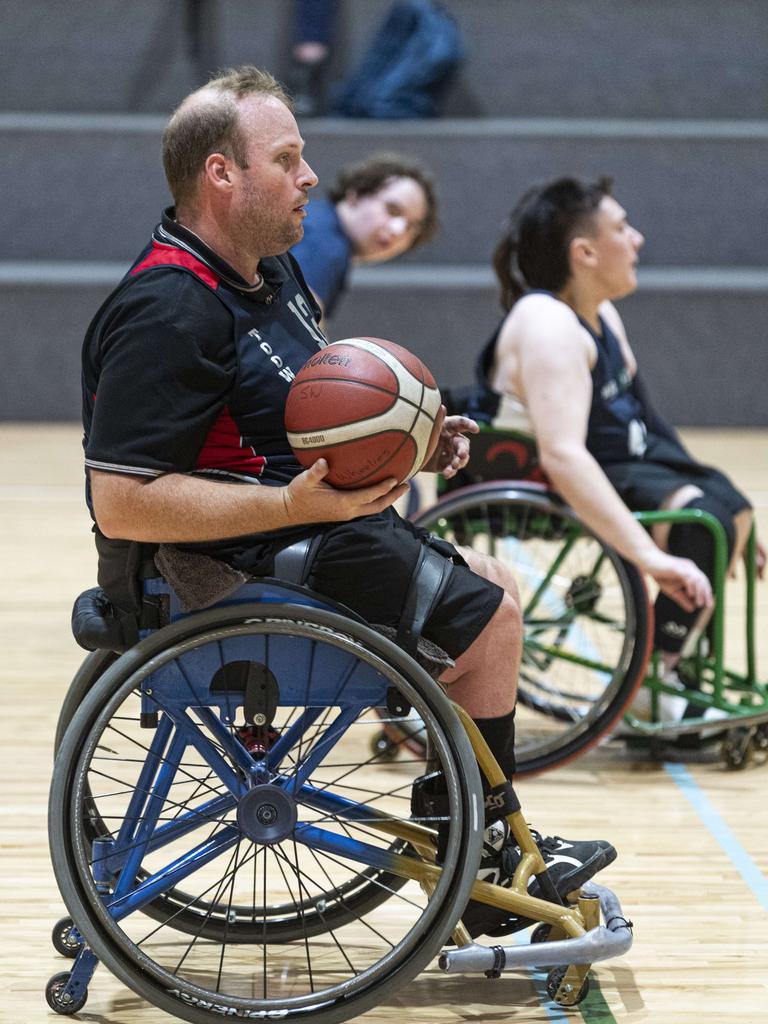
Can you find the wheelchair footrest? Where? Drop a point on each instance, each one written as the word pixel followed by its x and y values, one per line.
pixel 670 730
pixel 612 939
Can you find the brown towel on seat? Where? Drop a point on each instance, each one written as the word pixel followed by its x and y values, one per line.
pixel 199 580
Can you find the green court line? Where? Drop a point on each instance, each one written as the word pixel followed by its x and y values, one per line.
pixel 594 1008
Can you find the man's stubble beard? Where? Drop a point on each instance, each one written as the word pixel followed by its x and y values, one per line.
pixel 261 231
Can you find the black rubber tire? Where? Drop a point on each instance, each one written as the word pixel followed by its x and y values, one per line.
pixel 91 670
pixel 554 979
pixel 53 991
pixel 507 520
pixel 179 995
pixel 63 945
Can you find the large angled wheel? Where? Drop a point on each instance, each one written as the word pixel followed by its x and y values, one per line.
pixel 304 859
pixel 205 916
pixel 585 610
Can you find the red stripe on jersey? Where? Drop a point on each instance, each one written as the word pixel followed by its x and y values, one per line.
pixel 168 255
pixel 224 449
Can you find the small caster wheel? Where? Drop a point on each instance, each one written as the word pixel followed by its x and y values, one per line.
pixel 541 933
pixel 54 995
pixel 737 749
pixel 383 747
pixel 568 998
pixel 63 941
pixel 760 739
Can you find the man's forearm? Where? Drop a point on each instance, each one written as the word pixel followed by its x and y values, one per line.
pixel 176 508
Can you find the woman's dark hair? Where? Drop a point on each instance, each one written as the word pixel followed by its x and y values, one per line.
pixel 534 250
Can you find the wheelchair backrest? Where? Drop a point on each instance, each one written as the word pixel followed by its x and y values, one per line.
pixel 498 455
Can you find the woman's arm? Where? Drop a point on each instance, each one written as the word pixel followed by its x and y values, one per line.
pixel 553 374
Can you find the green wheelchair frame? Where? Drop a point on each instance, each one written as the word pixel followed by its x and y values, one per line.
pixel 741 695
pixel 499 500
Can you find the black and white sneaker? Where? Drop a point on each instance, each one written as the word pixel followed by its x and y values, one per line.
pixel 569 864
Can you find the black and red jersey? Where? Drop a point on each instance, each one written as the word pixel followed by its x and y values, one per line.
pixel 187 366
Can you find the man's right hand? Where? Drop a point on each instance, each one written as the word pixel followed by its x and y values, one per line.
pixel 681 579
pixel 309 499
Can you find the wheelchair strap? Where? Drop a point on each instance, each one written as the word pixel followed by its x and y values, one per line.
pixel 294 563
pixel 427 585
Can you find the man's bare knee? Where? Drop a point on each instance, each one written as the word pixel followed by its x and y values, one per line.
pixel 484 678
pixel 491 569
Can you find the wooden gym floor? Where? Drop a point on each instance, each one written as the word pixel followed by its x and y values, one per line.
pixel 692 871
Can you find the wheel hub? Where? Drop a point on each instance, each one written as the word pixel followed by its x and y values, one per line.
pixel 583 594
pixel 266 814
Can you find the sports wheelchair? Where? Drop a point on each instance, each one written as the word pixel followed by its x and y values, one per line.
pixel 224 849
pixel 588 621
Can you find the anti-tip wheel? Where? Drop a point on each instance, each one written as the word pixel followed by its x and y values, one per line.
pixel 737 749
pixel 760 739
pixel 63 941
pixel 569 998
pixel 54 995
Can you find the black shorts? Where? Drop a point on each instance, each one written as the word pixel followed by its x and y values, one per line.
pixel 645 483
pixel 368 564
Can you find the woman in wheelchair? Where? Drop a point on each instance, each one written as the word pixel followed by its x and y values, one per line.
pixel 560 368
pixel 185 381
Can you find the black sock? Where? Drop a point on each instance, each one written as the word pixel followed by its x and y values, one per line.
pixel 429 793
pixel 499 734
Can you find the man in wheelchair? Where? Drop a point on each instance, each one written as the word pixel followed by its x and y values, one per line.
pixel 186 369
pixel 559 369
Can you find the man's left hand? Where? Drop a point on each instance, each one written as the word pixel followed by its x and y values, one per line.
pixel 452 451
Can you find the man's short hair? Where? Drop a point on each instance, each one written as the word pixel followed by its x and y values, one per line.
pixel 365 179
pixel 197 129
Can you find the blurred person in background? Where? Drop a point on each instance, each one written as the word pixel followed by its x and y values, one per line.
pixel 376 211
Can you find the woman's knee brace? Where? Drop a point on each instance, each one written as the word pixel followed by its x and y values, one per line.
pixel 695 541
pixel 692 540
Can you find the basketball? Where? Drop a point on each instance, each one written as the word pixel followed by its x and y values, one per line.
pixel 369 407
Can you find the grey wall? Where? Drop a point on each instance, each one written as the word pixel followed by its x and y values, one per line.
pixel 668 96
pixel 561 58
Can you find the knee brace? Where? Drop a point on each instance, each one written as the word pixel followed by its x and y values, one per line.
pixel 694 541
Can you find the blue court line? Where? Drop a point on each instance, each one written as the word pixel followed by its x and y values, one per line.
pixel 741 860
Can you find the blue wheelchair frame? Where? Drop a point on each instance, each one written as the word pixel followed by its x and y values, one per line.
pixel 179 665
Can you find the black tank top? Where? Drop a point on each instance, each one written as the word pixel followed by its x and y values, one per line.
pixel 616 429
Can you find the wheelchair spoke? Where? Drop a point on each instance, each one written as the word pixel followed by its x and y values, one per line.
pixel 281 857
pixel 190 902
pixel 228 914
pixel 281 860
pixel 375 881
pixel 131 739
pixel 229 873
